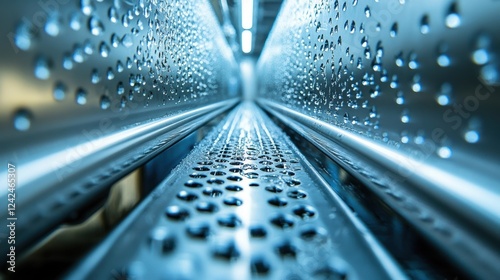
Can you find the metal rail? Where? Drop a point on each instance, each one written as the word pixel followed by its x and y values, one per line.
pixel 465 229
pixel 402 94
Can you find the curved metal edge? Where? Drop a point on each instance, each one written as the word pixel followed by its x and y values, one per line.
pixel 467 232
pixel 47 199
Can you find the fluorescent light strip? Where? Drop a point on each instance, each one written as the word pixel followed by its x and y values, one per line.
pixel 246 41
pixel 247 14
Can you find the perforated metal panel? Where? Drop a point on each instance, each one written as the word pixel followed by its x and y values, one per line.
pixel 244 204
pixel 403 94
pixel 91 89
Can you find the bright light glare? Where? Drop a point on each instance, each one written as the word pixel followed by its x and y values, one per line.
pixel 246 41
pixel 247 14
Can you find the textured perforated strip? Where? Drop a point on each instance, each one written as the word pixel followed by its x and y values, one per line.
pixel 243 204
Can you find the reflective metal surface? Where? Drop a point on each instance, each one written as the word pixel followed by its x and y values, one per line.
pixel 245 203
pixel 402 93
pixel 91 89
pixel 392 105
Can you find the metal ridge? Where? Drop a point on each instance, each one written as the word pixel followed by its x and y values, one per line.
pixel 430 198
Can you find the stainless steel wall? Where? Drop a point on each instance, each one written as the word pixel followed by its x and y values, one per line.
pixel 405 95
pixel 91 89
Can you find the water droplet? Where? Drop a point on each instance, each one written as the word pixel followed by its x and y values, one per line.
pixel 119 66
pixel 443 60
pixel 127 41
pixel 424 25
pixel 444 96
pixel 377 64
pixel 404 137
pixel 416 86
pixel 367 12
pixel 481 55
pixel 110 74
pixel 394 81
pixel 472 133
pixel 81 96
pixel 120 89
pixel 22 120
pixel 379 53
pixel 471 136
pixel 405 118
pixel 125 21
pixel 364 42
pixel 453 19
pixel 443 100
pixel 75 22
pixel 104 50
pixel 95 77
pixel 42 68
pixel 53 25
pixel 95 26
pixel 115 41
pixel 444 152
pixel 373 112
pixel 490 74
pixel 88 48
pixel 375 92
pixel 412 61
pixel 105 102
pixel 353 27
pixel 394 30
pixel 59 92
pixel 23 37
pixel 78 54
pixel 400 99
pixel 113 14
pixel 67 62
pixel 420 138
pixel 87 7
